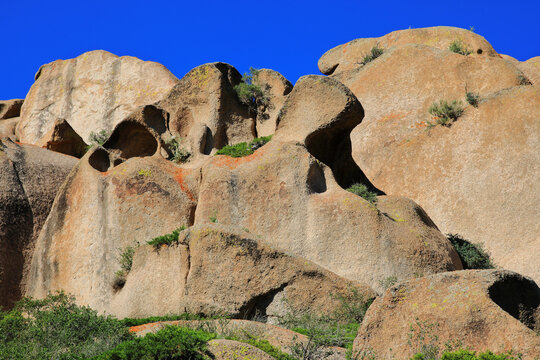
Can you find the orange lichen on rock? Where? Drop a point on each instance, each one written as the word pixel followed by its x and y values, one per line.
pixel 232 163
pixel 179 176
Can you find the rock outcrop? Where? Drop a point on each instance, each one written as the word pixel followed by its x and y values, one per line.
pixel 10 108
pixel 222 349
pixel 92 92
pixel 29 180
pixel 205 111
pixel 461 175
pixel 477 309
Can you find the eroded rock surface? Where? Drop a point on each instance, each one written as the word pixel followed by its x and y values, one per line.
pixel 29 180
pixel 92 92
pixel 10 108
pixel 479 309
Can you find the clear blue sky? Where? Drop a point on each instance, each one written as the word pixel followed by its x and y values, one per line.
pixel 287 36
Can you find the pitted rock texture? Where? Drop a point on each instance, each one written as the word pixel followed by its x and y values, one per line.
pixel 348 56
pixel 92 92
pixel 482 309
pixel 29 180
pixel 205 111
pixel 277 87
pixel 476 178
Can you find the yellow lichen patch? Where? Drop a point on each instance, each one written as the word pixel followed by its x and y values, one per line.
pixel 145 172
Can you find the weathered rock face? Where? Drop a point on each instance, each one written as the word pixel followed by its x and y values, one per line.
pixel 483 309
pixel 109 201
pixel 204 109
pixel 475 178
pixel 29 180
pixel 531 71
pixel 217 269
pixel 277 87
pixel 10 108
pixel 92 92
pixel 63 139
pixel 348 56
pixel 7 128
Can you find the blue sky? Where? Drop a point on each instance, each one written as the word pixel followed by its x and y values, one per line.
pixel 287 36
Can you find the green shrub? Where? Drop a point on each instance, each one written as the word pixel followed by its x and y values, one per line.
pixel 99 138
pixel 388 282
pixel 252 95
pixel 169 343
pixel 445 112
pixel 363 191
pixel 472 255
pixel 243 148
pixel 472 99
pixel 469 355
pixel 178 153
pixel 167 239
pixel 57 328
pixel 263 345
pixel 353 306
pixel 458 47
pixel 125 257
pixel 372 55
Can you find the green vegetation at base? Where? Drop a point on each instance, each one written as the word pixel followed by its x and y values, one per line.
pixel 167 239
pixel 468 355
pixel 374 53
pixel 363 191
pixel 169 343
pixel 472 255
pixel 56 328
pixel 244 148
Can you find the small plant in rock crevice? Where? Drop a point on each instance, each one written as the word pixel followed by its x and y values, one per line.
pixel 125 257
pixel 363 191
pixel 374 53
pixel 99 138
pixel 244 148
pixel 472 255
pixel 445 113
pixel 458 47
pixel 167 239
pixel 251 94
pixel 472 98
pixel 178 153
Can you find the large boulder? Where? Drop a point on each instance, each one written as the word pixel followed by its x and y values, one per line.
pixel 10 108
pixel 92 92
pixel 477 309
pixel 29 180
pixel 276 87
pixel 289 192
pixel 205 112
pixel 477 177
pixel 220 269
pixel 349 55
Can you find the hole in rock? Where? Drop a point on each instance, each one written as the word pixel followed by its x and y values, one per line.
pixel 519 297
pixel 99 160
pixel 155 118
pixel 316 181
pixel 479 51
pixel 333 147
pixel 207 142
pixel 131 139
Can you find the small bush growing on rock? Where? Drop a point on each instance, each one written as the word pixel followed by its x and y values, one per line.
pixel 57 328
pixel 472 256
pixel 243 148
pixel 388 282
pixel 469 355
pixel 458 47
pixel 125 258
pixel 374 53
pixel 472 99
pixel 167 239
pixel 446 112
pixel 252 95
pixel 363 191
pixel 171 342
pixel 99 138
pixel 178 153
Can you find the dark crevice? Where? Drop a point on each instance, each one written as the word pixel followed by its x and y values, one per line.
pixel 519 297
pixel 256 307
pixel 99 160
pixel 131 139
pixel 316 181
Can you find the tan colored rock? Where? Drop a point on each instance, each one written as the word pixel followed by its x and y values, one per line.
pixel 481 309
pixel 29 180
pixel 92 92
pixel 63 139
pixel 531 70
pixel 7 128
pixel 205 111
pixel 218 269
pixel 349 56
pixel 223 349
pixel 10 108
pixel 110 201
pixel 277 87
